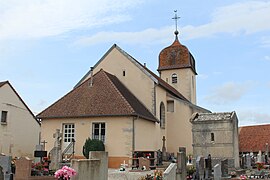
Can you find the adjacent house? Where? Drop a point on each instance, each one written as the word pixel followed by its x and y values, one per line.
pixel 127 106
pixel 19 129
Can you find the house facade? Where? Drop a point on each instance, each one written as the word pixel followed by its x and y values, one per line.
pixel 153 106
pixel 19 129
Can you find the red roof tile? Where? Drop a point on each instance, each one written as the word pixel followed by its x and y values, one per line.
pixel 254 138
pixel 107 97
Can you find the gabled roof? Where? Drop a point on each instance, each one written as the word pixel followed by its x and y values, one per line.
pixel 254 138
pixel 106 97
pixel 144 69
pixel 204 117
pixel 7 82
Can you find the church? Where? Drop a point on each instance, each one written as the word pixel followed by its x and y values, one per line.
pixel 127 106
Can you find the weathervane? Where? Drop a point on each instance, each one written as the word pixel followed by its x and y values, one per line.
pixel 176 18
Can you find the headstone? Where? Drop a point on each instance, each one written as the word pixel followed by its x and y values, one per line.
pixel 224 168
pixel 243 163
pixel 248 161
pixel 181 171
pixel 164 153
pixel 5 163
pixel 159 157
pixel 259 156
pixel 208 167
pixel 200 167
pixel 23 167
pixel 144 163
pixel 217 172
pixel 263 158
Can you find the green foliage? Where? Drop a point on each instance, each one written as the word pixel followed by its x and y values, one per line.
pixel 92 145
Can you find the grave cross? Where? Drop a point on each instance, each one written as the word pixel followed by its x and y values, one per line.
pixel 43 143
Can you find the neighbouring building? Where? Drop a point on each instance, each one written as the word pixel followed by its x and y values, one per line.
pixel 127 106
pixel 19 129
pixel 216 134
pixel 254 138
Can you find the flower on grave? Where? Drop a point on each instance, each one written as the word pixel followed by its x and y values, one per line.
pixel 233 173
pixel 244 177
pixel 259 165
pixel 64 173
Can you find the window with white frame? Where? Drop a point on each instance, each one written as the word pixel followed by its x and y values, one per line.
pixel 4 117
pixel 98 131
pixel 174 78
pixel 69 132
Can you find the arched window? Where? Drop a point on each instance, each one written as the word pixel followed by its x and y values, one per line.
pixel 162 115
pixel 174 78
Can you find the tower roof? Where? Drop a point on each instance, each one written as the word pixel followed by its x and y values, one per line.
pixel 176 56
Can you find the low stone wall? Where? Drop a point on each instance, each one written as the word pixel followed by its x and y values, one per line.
pixel 170 172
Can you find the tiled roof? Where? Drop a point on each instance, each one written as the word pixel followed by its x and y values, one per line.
pixel 221 116
pixel 176 56
pixel 156 78
pixel 106 97
pixel 254 138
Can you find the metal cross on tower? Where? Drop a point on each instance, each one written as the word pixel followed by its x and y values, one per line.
pixel 176 18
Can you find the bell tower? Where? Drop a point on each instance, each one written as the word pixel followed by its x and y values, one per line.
pixel 177 67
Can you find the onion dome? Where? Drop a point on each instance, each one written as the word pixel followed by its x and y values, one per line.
pixel 176 56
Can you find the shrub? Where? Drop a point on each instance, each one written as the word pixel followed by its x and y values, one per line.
pixel 92 145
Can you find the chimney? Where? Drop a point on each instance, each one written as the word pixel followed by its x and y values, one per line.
pixel 91 76
pixel 144 64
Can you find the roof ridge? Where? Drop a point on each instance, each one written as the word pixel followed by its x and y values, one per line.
pixel 117 90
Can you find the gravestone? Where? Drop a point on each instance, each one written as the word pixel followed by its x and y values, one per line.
pixel 266 153
pixel 5 163
pixel 259 156
pixel 144 163
pixel 263 158
pixel 159 157
pixel 181 171
pixel 217 172
pixel 23 167
pixel 248 161
pixel 243 162
pixel 208 167
pixel 200 167
pixel 224 168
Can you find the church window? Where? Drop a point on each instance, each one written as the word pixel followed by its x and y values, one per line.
pixel 162 115
pixel 212 137
pixel 124 73
pixel 170 106
pixel 98 131
pixel 4 117
pixel 174 78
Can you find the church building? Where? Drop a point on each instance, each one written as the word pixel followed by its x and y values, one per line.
pixel 127 106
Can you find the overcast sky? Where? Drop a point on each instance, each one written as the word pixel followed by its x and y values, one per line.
pixel 46 46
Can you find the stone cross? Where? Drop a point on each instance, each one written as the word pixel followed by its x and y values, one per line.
pixel 164 154
pixel 58 137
